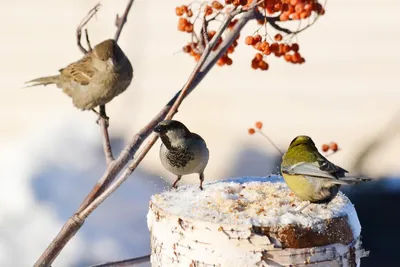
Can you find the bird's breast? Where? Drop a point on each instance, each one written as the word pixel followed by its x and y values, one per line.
pixel 183 161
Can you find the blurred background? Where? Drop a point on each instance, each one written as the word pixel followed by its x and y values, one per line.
pixel 51 153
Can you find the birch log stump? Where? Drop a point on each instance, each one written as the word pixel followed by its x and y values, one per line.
pixel 251 222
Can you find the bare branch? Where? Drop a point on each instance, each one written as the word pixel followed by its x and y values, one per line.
pixel 83 23
pixel 127 262
pixel 204 65
pixel 103 121
pixel 87 40
pixel 120 21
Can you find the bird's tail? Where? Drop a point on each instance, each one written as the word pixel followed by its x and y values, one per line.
pixel 353 179
pixel 43 81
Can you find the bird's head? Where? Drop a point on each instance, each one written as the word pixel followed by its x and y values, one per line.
pixel 301 140
pixel 110 52
pixel 171 131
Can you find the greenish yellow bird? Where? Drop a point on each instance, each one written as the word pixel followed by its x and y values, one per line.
pixel 310 175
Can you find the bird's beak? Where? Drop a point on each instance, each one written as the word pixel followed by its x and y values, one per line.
pixel 158 129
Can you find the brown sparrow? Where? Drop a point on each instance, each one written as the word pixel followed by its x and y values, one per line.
pixel 182 152
pixel 95 79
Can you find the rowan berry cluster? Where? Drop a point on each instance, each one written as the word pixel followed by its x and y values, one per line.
pixel 331 146
pixel 268 13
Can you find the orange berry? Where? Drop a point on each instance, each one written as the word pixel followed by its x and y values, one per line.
pixel 183 21
pixel 221 62
pixel 263 65
pixel 181 27
pixel 189 28
pixel 249 40
pixel 270 10
pixel 258 57
pixel 286 48
pixel 254 64
pixel 288 57
pixel 278 6
pixel 217 5
pixel 264 45
pixel 208 10
pixel 296 57
pixel 267 51
pixel 232 23
pixel 197 57
pixel 278 37
pixel 189 13
pixel 257 46
pixel 211 34
pixel 257 38
pixel 230 50
pixel 308 7
pixel 259 125
pixel 295 16
pixel 187 48
pixel 334 146
pixel 284 16
pixel 294 2
pixel 251 131
pixel 228 61
pixel 184 9
pixel 295 47
pixel 178 11
pixel 305 14
pixel 302 60
pixel 299 8
pixel 274 47
pixel 325 147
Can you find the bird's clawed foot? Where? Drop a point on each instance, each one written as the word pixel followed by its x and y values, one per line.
pixel 201 176
pixel 174 185
pixel 102 115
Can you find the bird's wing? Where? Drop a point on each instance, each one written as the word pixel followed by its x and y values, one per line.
pixel 80 71
pixel 326 165
pixel 312 170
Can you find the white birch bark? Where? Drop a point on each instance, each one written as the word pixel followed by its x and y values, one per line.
pixel 187 229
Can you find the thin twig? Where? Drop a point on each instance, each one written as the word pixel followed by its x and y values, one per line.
pixel 82 24
pixel 120 21
pixel 88 40
pixel 127 262
pixel 206 60
pixel 272 142
pixel 75 222
pixel 103 121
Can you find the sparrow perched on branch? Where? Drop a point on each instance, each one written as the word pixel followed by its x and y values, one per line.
pixel 98 77
pixel 310 175
pixel 182 152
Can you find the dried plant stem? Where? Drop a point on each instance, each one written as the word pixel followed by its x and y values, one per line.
pixel 120 21
pixel 103 189
pixel 83 23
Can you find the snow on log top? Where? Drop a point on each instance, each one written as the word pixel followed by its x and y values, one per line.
pixel 253 201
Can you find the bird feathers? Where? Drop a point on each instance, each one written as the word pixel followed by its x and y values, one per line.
pixel 43 81
pixel 80 71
